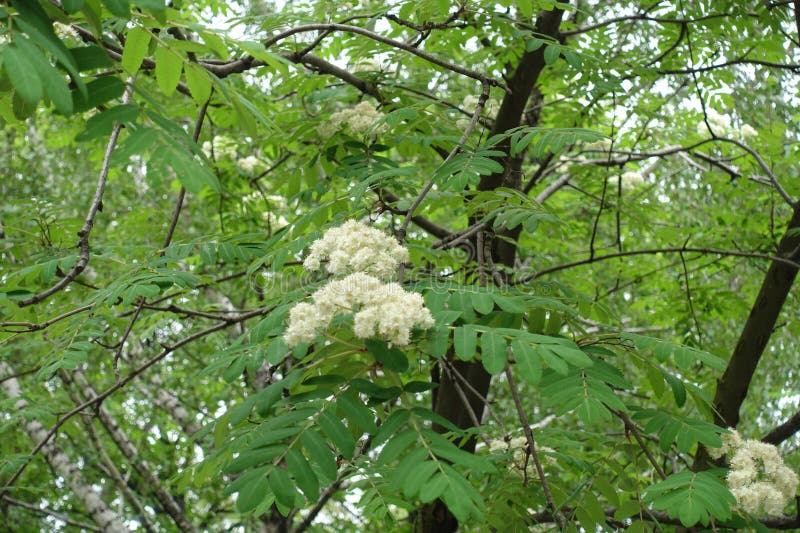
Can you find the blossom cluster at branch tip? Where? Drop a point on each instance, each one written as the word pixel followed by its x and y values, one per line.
pixel 366 64
pixel 356 247
pixel 630 180
pixel 722 126
pixel 517 447
pixel 221 147
pixel 368 257
pixel 65 31
pixel 250 165
pixel 758 477
pixel 470 103
pixel 360 119
pixel 603 145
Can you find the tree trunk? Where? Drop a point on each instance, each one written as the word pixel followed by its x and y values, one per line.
pixel 435 517
pixel 733 385
pixel 97 509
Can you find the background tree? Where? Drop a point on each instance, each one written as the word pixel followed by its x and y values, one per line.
pixel 598 210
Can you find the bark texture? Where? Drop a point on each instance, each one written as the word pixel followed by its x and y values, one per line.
pixel 61 464
pixel 732 387
pixel 435 517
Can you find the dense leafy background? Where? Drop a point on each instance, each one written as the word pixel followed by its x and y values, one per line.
pixel 603 285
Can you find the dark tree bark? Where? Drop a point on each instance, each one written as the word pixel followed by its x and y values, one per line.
pixel 733 385
pixel 434 517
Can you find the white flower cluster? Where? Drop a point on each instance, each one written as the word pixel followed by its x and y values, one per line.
pixel 250 165
pixel 758 478
pixel 65 31
pixel 356 247
pixel 470 103
pixel 366 64
pixel 603 145
pixel 368 256
pixel 630 180
pixel 721 124
pixel 359 120
pixel 273 221
pixel 517 446
pixel 275 201
pixel 221 147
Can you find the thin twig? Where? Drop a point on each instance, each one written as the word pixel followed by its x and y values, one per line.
pixel 121 383
pixel 332 489
pixel 630 427
pixel 33 326
pixel 785 195
pixel 88 222
pixel 387 41
pixel 176 213
pixel 456 149
pixel 470 411
pixel 691 304
pixel 687 249
pixel 49 512
pixel 471 388
pixel 526 427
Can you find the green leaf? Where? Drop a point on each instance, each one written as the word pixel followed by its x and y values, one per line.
pixel 433 488
pixel 391 358
pixel 551 53
pixel 494 352
pixel 533 44
pixel 553 361
pixel 135 49
pixel 102 123
pixel 169 65
pixel 396 445
pixel 72 6
pixel 99 92
pixel 155 6
pixel 527 361
pixel 197 78
pixel 43 35
pixel 252 458
pixel 482 302
pixel 19 67
pixel 573 59
pixel 53 82
pixel 437 341
pixel 393 422
pixel 510 304
pixel 215 44
pixel 320 453
pixel 282 486
pixel 573 356
pixel 678 389
pixel 119 8
pixel 465 341
pixel 357 412
pixel 338 433
pixel 90 57
pixel 420 475
pixel 252 491
pixel 306 479
pixel 692 497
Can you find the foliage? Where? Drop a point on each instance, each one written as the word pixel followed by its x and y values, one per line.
pixel 598 203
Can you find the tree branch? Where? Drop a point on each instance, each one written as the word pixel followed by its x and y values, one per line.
pixel 88 222
pixel 788 262
pixel 784 431
pixel 121 383
pixel 733 386
pixel 49 512
pixel 387 41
